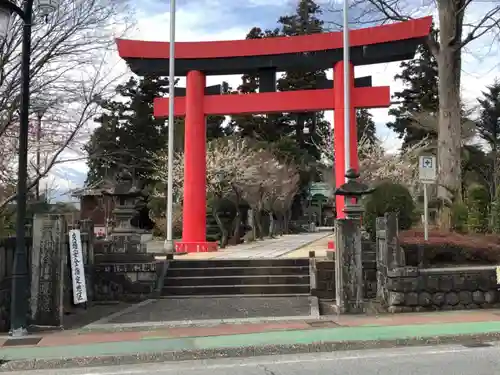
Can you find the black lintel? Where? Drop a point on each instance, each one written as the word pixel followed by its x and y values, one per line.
pixel 358 82
pixel 267 80
pixel 267 84
pixel 209 90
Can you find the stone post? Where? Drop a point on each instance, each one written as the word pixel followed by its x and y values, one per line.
pixel 349 282
pixel 348 267
pixel 48 270
pixel 395 253
pixel 381 249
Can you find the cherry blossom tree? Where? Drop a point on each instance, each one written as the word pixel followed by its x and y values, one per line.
pixel 229 168
pixel 280 196
pixel 376 164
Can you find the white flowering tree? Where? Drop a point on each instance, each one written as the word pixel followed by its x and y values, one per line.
pixel 263 171
pixel 376 164
pixel 279 198
pixel 239 171
pixel 229 168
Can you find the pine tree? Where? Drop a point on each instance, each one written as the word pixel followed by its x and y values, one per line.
pixel 420 77
pixel 262 128
pixel 488 125
pixel 488 128
pixel 305 129
pixel 365 126
pixel 128 131
pixel 306 20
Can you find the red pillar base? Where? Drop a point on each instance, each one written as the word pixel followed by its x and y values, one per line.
pixel 196 247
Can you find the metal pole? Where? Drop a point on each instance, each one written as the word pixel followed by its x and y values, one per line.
pixel 426 214
pixel 38 163
pixel 347 82
pixel 20 280
pixel 169 246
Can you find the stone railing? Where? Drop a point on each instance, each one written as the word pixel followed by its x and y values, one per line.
pixel 412 289
pixel 401 288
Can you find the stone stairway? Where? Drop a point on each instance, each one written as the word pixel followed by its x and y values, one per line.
pixel 248 277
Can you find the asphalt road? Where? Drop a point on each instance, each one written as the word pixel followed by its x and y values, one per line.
pixel 449 360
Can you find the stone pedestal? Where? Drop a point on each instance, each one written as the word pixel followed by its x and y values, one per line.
pixel 348 267
pixel 125 270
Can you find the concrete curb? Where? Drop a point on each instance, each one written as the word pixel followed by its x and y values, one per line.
pixel 117 314
pixel 314 302
pixel 182 355
pixel 150 326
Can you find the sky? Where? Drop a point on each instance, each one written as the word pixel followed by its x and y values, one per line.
pixel 204 20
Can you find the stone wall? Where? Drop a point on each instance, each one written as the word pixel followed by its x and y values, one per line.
pixel 130 279
pixel 412 289
pixel 402 288
pixel 325 274
pixel 325 279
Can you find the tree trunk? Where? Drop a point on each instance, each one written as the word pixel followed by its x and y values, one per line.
pixel 450 124
pixel 224 234
pixel 286 221
pixel 271 224
pixel 235 240
pixel 280 223
pixel 251 222
pixel 258 224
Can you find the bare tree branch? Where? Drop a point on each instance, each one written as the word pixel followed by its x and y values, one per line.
pixel 69 69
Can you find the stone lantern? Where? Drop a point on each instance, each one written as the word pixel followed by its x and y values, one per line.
pixel 349 281
pixel 133 228
pixel 355 190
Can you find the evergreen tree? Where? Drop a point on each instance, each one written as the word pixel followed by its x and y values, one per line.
pixel 366 126
pixel 488 128
pixel 128 131
pixel 304 129
pixel 488 125
pixel 420 77
pixel 262 128
pixel 307 127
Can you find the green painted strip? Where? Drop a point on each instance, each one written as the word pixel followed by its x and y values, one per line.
pixel 152 345
pixel 347 334
pixel 96 350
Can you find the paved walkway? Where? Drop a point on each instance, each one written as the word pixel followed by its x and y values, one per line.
pixel 267 248
pixel 320 248
pixel 76 344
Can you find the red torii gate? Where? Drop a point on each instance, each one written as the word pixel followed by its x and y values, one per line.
pixel 195 60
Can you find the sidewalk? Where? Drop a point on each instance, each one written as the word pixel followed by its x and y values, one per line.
pixel 76 348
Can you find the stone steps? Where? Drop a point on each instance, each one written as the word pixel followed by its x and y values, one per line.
pixel 237 271
pixel 238 280
pixel 237 277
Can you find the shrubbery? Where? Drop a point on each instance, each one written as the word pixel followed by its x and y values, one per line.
pixel 445 249
pixel 389 197
pixel 459 216
pixel 495 214
pixel 477 205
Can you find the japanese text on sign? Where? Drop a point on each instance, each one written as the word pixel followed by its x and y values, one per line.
pixel 77 267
